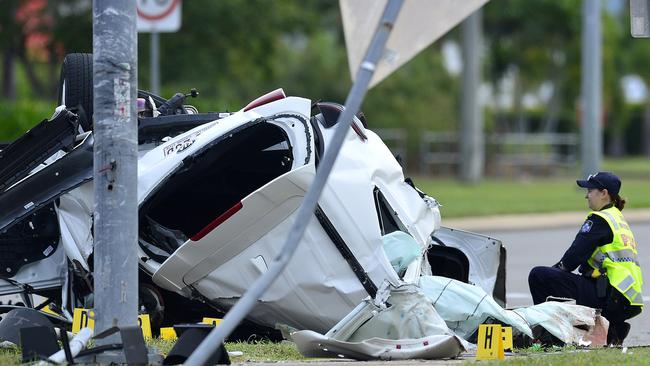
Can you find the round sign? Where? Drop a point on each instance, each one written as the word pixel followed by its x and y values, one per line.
pixel 153 10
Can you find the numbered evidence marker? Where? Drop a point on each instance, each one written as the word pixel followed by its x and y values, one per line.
pixel 506 336
pixel 145 324
pixel 490 342
pixel 211 321
pixel 83 318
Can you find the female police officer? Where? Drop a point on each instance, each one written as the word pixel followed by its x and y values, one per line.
pixel 605 252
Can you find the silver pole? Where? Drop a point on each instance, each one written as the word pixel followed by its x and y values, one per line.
pixel 115 164
pixel 306 211
pixel 155 62
pixel 592 143
pixel 471 127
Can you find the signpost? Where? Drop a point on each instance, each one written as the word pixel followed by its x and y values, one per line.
pixel 156 16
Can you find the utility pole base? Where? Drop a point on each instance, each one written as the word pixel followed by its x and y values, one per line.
pixel 117 357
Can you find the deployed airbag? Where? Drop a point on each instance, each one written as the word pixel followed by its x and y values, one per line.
pixel 405 326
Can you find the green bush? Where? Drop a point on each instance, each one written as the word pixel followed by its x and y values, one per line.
pixel 18 117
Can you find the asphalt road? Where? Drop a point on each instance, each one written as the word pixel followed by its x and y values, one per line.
pixel 534 247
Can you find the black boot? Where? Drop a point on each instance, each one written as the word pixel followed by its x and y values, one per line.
pixel 617 333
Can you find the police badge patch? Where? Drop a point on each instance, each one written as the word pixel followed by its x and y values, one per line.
pixel 586 226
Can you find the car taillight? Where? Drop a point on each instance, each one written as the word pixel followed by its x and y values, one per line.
pixel 277 94
pixel 216 222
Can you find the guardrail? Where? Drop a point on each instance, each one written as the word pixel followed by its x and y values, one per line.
pixel 505 153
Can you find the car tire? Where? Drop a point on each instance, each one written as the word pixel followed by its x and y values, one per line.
pixel 76 85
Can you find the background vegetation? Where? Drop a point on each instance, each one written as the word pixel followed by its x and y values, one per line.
pixel 235 50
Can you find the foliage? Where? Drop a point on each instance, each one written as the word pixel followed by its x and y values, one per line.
pixel 232 51
pixel 18 117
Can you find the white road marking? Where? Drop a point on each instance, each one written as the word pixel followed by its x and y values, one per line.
pixel 526 295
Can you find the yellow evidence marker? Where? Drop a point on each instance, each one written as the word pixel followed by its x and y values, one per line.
pixel 211 321
pixel 145 325
pixel 489 342
pixel 506 335
pixel 168 333
pixel 82 318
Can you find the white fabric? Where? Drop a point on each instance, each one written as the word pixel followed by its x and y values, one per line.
pixel 464 306
pixel 570 323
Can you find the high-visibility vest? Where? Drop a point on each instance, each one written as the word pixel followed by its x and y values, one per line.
pixel 618 259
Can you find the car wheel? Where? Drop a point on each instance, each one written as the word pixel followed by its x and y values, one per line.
pixel 151 300
pixel 76 85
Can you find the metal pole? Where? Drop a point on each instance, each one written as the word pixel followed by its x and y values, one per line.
pixel 306 211
pixel 115 164
pixel 471 127
pixel 155 62
pixel 592 144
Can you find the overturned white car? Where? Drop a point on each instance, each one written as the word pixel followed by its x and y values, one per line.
pixel 217 194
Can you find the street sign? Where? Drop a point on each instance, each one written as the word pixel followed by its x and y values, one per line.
pixel 158 16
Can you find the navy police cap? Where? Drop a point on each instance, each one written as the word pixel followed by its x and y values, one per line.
pixel 602 180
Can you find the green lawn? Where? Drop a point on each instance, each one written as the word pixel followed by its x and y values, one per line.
pixel 531 195
pixel 604 356
pixel 252 352
pixel 286 351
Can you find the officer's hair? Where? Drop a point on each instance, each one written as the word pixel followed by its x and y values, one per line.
pixel 618 201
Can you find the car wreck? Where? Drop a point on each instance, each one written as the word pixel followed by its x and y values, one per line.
pixel 217 194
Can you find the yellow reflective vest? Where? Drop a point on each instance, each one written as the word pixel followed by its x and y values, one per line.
pixel 618 259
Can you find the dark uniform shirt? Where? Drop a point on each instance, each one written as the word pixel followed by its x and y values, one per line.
pixel 594 232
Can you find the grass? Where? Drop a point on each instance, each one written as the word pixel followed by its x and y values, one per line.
pixel 10 356
pixel 592 357
pixel 252 352
pixel 531 195
pixel 286 351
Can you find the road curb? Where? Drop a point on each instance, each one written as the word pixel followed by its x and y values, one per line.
pixel 534 221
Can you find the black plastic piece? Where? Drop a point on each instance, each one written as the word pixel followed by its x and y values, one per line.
pixel 36 145
pixel 189 337
pixel 43 187
pixel 319 143
pixel 66 347
pixel 19 318
pixel 448 262
pixel 32 239
pixel 388 219
pixel 135 350
pixel 38 343
pixel 152 129
pixel 345 251
pixel 172 104
pixel 499 292
pixel 54 319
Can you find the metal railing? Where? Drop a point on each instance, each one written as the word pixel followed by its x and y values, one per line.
pixel 504 153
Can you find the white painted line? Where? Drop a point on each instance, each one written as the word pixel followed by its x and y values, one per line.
pixel 525 295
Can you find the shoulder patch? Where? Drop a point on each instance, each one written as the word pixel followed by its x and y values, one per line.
pixel 586 227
